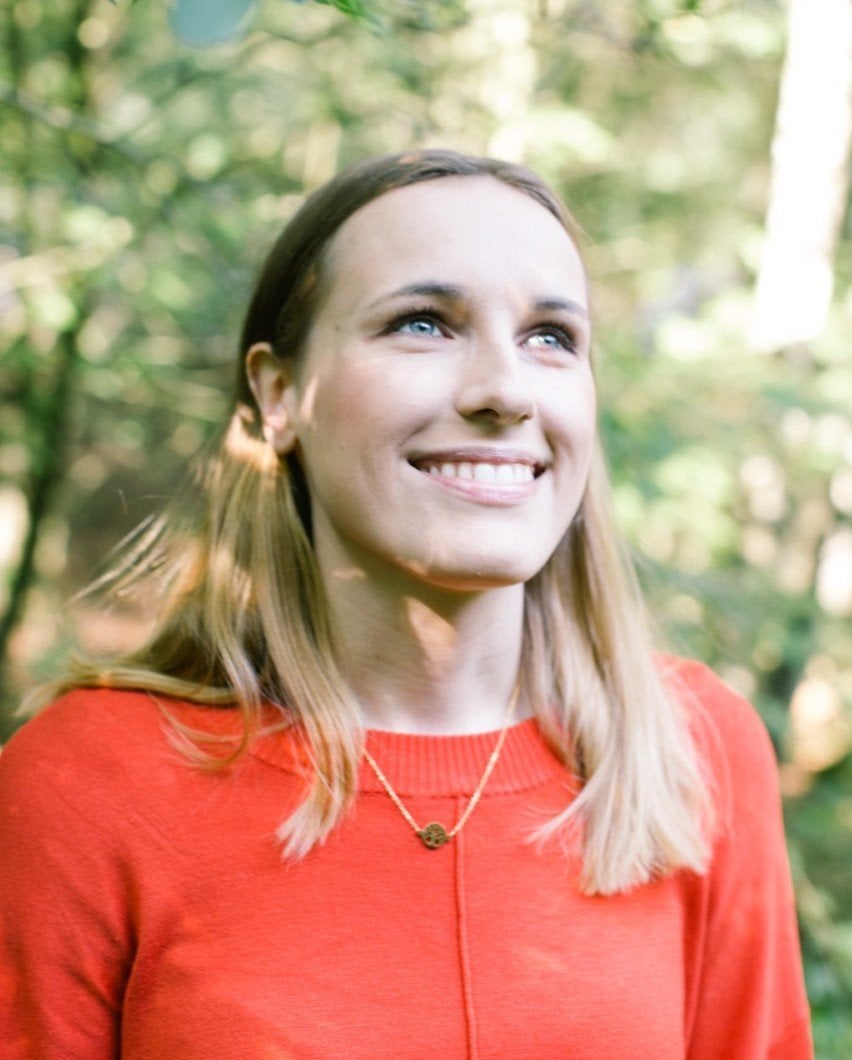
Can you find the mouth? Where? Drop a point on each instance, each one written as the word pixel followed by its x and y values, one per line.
pixel 470 468
pixel 479 471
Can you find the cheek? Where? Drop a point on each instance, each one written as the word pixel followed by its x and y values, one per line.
pixel 367 404
pixel 345 431
pixel 571 412
pixel 331 407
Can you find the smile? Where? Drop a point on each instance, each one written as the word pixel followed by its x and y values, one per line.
pixel 480 471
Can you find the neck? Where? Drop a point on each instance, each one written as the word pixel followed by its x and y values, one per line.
pixel 426 660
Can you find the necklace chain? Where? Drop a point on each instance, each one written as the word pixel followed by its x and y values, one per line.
pixel 434 835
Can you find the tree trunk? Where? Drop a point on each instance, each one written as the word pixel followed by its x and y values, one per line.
pixel 809 177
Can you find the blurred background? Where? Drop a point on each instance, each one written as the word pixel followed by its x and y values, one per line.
pixel 150 151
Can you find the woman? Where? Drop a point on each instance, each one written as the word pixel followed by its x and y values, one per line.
pixel 397 774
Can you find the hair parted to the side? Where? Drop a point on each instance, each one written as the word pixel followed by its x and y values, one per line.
pixel 244 621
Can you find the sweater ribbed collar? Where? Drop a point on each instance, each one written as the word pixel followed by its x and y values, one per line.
pixel 418 764
pixel 415 764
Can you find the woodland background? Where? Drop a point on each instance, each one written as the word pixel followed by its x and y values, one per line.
pixel 149 151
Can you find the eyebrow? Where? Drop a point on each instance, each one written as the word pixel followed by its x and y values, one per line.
pixel 560 304
pixel 448 292
pixel 451 293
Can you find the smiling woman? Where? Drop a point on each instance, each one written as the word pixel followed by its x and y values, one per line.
pixel 448 358
pixel 400 728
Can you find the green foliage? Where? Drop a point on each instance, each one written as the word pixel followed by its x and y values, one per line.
pixel 354 8
pixel 143 180
pixel 206 23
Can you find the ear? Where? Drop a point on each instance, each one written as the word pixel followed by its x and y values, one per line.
pixel 271 381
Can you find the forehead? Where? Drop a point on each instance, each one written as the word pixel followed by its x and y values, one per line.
pixel 470 231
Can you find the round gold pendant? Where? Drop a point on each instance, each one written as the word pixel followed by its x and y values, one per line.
pixel 434 835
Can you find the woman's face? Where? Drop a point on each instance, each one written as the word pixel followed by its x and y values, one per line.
pixel 444 406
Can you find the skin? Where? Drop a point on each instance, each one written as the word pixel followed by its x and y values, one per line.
pixel 454 331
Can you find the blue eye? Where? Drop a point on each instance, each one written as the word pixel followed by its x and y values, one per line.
pixel 419 324
pixel 553 338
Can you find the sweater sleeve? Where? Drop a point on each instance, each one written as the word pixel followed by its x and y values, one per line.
pixel 65 937
pixel 749 1000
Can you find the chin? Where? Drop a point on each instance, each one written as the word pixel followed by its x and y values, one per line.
pixel 472 578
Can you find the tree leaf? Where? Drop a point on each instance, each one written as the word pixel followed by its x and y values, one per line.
pixel 354 9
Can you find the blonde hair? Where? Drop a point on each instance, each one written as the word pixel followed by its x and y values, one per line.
pixel 245 621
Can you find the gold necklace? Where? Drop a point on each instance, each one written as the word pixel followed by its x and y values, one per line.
pixel 434 835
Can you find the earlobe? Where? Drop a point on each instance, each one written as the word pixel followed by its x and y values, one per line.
pixel 271 383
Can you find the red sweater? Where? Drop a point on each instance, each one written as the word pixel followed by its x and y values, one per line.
pixel 145 909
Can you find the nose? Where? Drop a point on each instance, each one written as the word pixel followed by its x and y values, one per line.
pixel 493 384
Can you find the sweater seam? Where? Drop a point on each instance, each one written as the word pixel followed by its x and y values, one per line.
pixel 464 948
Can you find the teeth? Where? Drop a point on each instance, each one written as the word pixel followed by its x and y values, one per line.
pixel 492 474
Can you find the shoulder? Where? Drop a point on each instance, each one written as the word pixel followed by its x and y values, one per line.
pixel 733 746
pixel 104 721
pixel 101 720
pixel 723 721
pixel 82 713
pixel 72 760
pixel 102 773
pixel 94 742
